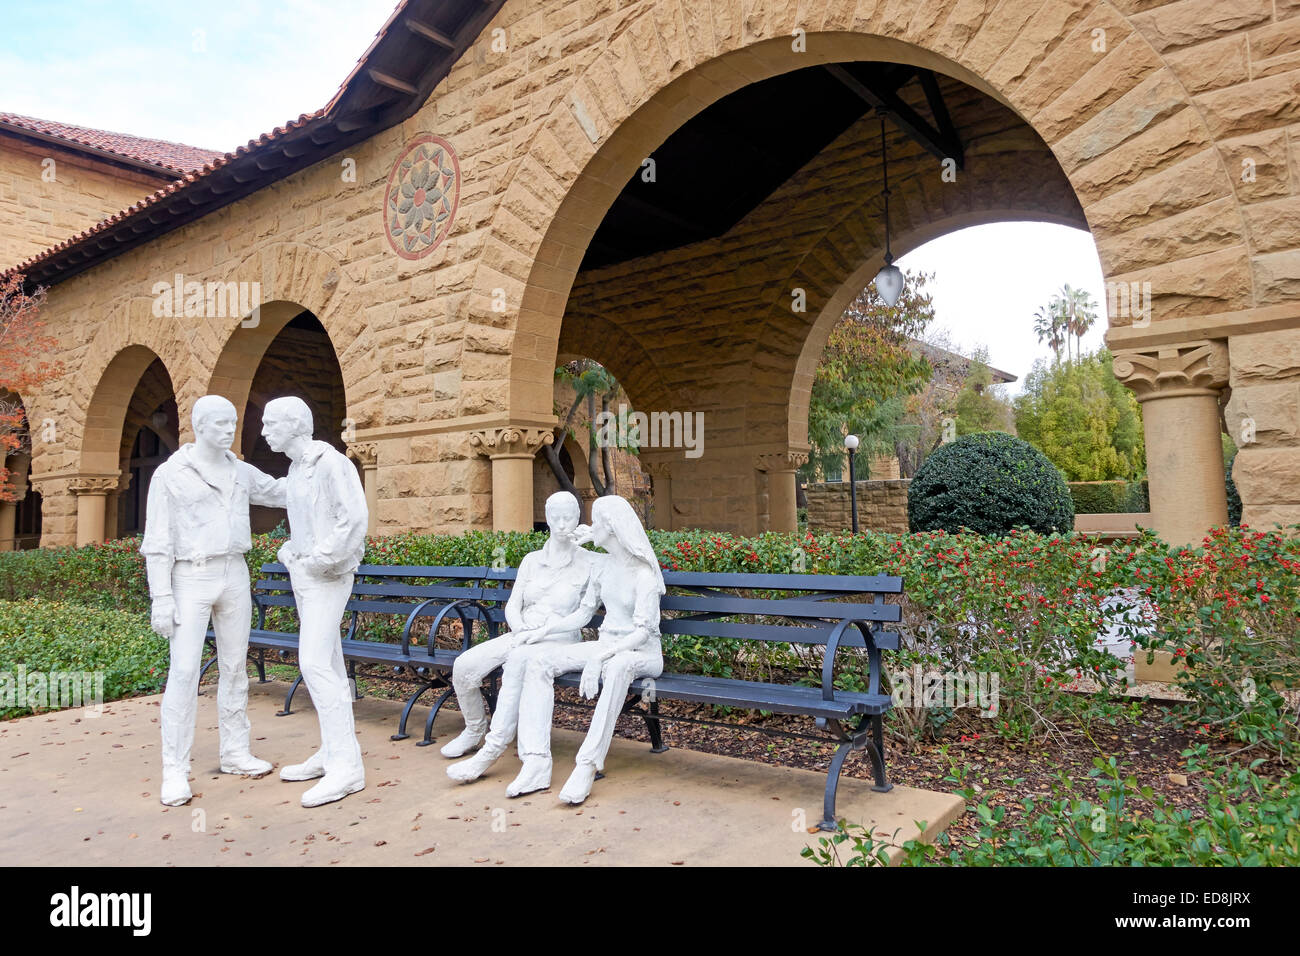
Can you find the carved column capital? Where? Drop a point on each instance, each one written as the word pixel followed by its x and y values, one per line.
pixel 781 461
pixel 510 441
pixel 657 467
pixel 93 484
pixel 364 452
pixel 1167 371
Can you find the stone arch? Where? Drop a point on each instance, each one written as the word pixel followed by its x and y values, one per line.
pixel 659 70
pixel 293 278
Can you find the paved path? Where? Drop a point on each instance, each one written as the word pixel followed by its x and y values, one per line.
pixel 83 791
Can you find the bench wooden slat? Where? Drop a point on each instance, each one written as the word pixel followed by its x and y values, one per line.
pixel 817 610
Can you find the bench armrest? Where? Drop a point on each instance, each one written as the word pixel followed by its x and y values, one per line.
pixel 832 646
pixel 433 626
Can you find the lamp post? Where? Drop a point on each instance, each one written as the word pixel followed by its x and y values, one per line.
pixel 851 445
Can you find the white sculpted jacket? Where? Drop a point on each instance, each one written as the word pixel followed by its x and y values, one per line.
pixel 327 512
pixel 192 519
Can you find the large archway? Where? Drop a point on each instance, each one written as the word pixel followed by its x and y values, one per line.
pixel 1102 160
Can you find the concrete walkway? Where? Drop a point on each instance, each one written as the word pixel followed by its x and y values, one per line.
pixel 78 790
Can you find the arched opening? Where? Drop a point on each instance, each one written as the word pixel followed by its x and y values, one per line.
pixel 298 360
pixel 150 432
pixel 714 275
pixel 20 504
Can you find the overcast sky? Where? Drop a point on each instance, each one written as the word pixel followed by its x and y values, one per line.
pixel 140 67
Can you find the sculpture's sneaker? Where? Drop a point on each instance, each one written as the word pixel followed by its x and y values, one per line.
pixel 578 787
pixel 535 776
pixel 245 764
pixel 309 769
pixel 467 741
pixel 333 787
pixel 474 767
pixel 175 789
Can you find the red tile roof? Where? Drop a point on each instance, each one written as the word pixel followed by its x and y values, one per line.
pixel 176 157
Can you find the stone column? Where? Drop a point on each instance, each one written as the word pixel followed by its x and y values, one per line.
pixel 1179 386
pixel 17 467
pixel 512 450
pixel 780 468
pixel 366 453
pixel 92 496
pixel 661 474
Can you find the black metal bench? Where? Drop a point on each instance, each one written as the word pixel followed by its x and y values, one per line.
pixel 464 595
pixel 829 612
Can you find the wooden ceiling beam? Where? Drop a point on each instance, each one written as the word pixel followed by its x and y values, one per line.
pixel 905 118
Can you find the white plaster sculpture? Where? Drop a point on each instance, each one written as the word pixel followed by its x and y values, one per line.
pixel 629 583
pixel 327 538
pixel 196 534
pixel 541 610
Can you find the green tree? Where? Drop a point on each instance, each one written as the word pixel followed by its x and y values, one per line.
pixel 980 405
pixel 1083 419
pixel 865 373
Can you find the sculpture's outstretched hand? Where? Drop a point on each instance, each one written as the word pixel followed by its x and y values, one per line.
pixel 589 685
pixel 163 617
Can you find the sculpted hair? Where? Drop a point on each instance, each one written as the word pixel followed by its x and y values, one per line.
pixel 627 528
pixel 208 406
pixel 295 410
pixel 562 503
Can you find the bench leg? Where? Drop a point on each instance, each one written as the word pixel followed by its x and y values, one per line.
pixel 352 679
pixel 406 713
pixel 433 715
pixel 211 660
pixel 877 751
pixel 832 785
pixel 653 727
pixel 288 698
pixel 261 666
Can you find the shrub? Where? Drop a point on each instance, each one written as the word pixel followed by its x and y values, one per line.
pixel 1234 499
pixel 989 483
pixel 48 636
pixel 1109 497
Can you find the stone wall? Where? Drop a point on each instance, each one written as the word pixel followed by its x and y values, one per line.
pixel 882 506
pixel 36 213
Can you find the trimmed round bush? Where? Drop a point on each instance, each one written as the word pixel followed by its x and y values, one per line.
pixel 989 483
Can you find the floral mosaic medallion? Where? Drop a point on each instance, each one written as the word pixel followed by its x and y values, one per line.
pixel 422 195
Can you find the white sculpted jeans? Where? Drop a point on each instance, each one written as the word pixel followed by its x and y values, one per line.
pixel 217 589
pixel 321 602
pixel 477 663
pixel 537 702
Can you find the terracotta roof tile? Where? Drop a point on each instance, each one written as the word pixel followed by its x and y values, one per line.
pixel 157 152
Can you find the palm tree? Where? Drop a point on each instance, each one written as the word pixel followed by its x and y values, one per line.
pixel 1049 329
pixel 1078 312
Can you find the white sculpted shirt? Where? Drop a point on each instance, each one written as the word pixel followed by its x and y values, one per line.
pixel 327 510
pixel 547 589
pixel 191 516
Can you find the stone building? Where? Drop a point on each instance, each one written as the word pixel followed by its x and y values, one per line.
pixel 690 194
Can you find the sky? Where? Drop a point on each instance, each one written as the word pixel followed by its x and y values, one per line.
pixel 990 279
pixel 140 67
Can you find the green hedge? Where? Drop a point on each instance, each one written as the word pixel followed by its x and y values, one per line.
pixel 1109 497
pixel 48 636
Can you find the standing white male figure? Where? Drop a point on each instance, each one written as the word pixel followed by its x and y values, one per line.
pixel 327 538
pixel 196 533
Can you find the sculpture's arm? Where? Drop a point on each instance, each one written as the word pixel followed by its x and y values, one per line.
pixel 515 603
pixel 265 490
pixel 334 549
pixel 645 619
pixel 159 555
pixel 581 615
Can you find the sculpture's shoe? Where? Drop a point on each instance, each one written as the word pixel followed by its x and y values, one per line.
pixel 333 787
pixel 467 741
pixel 578 787
pixel 309 769
pixel 246 764
pixel 535 776
pixel 175 789
pixel 468 770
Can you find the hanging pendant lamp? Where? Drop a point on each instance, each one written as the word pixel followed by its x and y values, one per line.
pixel 889 280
